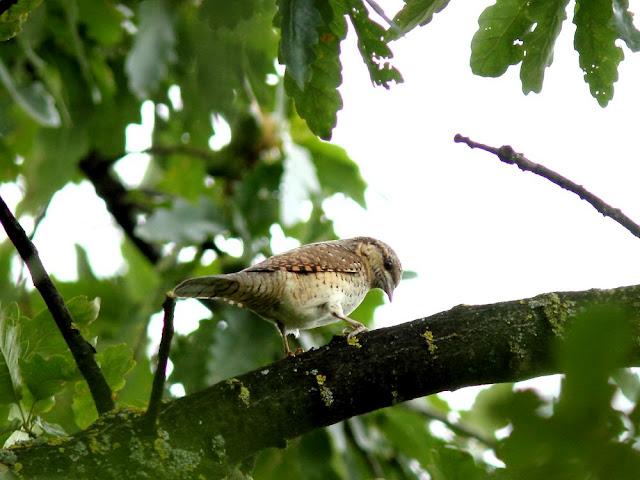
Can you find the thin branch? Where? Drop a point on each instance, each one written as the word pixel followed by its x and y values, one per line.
pixel 151 416
pixel 378 9
pixel 455 427
pixel 82 351
pixel 108 187
pixel 506 154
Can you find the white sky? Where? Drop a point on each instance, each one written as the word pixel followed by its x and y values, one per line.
pixel 475 230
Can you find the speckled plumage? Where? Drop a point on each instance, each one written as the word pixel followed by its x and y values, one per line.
pixel 306 287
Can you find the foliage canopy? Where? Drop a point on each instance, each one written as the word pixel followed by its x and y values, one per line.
pixel 75 74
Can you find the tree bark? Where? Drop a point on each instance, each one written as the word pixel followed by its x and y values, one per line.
pixel 211 431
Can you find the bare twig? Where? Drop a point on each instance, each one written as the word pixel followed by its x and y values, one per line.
pixel 82 351
pixel 506 154
pixel 159 378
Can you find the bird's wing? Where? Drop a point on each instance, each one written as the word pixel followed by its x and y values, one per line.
pixel 316 257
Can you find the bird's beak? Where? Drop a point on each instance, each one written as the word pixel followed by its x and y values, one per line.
pixel 389 291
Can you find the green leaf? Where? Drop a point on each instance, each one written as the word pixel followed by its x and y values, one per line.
pixel 10 352
pixel 138 387
pixel 311 457
pixel 141 277
pixel 629 383
pixel 52 164
pixel 623 22
pixel 261 184
pixel 226 60
pixel 41 335
pixel 483 415
pixel 34 100
pixel 414 13
pixel 580 435
pixel 595 42
pixel 407 433
pixel 548 16
pixel 316 228
pixel 184 177
pixel 153 48
pixel 589 358
pixel 336 171
pixel 12 19
pixel 8 422
pixel 49 429
pixel 225 14
pixel 498 41
pixel 320 100
pixel 115 362
pixel 183 223
pixel 192 356
pixel 104 20
pixel 46 377
pixel 243 329
pixel 315 455
pixel 372 45
pixel 84 410
pixel 301 23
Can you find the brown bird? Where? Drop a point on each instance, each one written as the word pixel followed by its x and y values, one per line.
pixel 307 287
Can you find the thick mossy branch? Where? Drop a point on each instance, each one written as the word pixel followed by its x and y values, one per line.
pixel 208 431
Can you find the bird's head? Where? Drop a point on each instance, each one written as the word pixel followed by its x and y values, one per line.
pixel 383 262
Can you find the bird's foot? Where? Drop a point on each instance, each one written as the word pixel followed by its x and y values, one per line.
pixel 291 354
pixel 353 331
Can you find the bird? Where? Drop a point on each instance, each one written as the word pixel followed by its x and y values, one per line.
pixel 307 287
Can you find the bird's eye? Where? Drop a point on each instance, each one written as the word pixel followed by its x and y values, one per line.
pixel 387 264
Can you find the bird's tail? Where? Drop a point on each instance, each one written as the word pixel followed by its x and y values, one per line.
pixel 212 286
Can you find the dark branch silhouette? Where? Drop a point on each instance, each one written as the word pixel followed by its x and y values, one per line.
pixel 82 351
pixel 98 170
pixel 6 5
pixel 161 370
pixel 508 155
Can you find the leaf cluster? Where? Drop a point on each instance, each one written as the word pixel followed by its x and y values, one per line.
pixel 233 164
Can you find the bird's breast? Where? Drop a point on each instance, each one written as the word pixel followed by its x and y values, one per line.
pixel 305 297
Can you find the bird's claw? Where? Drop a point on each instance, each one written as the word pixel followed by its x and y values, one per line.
pixel 352 332
pixel 298 351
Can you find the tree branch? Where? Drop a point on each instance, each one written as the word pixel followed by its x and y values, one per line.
pixel 108 187
pixel 161 370
pixel 82 351
pixel 223 424
pixel 6 5
pixel 506 154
